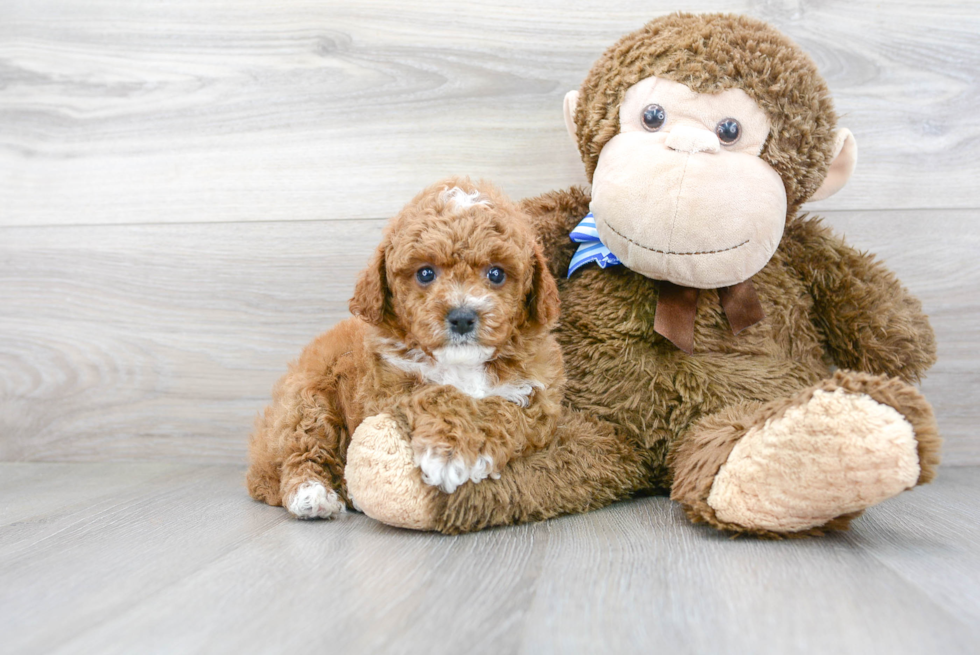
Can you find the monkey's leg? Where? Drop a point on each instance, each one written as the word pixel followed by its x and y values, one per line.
pixel 809 463
pixel 587 466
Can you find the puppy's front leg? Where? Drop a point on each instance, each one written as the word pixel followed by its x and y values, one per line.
pixel 446 440
pixel 457 438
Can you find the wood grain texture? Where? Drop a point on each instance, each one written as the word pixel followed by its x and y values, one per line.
pixel 87 563
pixel 162 341
pixel 186 111
pixel 655 579
pixel 148 342
pixel 25 495
pixel 187 192
pixel 186 562
pixel 931 535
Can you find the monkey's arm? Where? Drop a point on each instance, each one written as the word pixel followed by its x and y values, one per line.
pixel 553 216
pixel 585 466
pixel 869 320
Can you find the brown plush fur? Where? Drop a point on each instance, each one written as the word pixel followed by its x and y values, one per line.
pixel 710 53
pixel 675 417
pixel 586 467
pixel 658 399
pixel 348 373
pixel 698 458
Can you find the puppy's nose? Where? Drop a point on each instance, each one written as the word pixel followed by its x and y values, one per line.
pixel 461 320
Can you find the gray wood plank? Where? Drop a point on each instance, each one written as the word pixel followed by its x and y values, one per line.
pixel 639 574
pixel 121 112
pixel 190 564
pixel 930 537
pixel 86 564
pixel 36 491
pixel 159 341
pixel 146 342
pixel 351 583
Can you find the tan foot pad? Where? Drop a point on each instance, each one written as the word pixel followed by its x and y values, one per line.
pixel 382 479
pixel 838 453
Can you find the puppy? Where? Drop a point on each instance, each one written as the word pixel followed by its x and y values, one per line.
pixel 450 336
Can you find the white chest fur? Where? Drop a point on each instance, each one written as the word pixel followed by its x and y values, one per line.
pixel 464 367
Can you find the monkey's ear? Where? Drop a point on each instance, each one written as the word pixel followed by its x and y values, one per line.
pixel 371 293
pixel 845 159
pixel 571 101
pixel 542 298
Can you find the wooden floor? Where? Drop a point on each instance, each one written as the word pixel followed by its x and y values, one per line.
pixel 187 192
pixel 175 558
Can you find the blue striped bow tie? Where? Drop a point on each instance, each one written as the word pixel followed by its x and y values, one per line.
pixel 592 249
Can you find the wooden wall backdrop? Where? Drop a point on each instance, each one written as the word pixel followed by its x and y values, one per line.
pixel 188 188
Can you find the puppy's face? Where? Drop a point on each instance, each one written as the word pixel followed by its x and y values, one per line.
pixel 459 283
pixel 460 267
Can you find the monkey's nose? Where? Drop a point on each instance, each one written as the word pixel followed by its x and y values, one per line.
pixel 461 320
pixel 685 138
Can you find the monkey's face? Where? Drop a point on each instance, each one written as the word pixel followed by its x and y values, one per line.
pixel 681 193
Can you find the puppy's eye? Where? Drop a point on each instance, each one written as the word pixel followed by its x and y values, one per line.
pixel 728 131
pixel 654 117
pixel 425 275
pixel 496 275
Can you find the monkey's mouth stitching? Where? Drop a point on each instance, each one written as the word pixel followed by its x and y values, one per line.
pixel 671 252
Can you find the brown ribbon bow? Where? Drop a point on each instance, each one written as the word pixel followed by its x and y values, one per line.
pixel 677 307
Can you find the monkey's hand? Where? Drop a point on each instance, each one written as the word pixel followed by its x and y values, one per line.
pixel 870 321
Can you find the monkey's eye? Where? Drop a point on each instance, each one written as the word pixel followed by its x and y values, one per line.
pixel 496 275
pixel 654 117
pixel 425 275
pixel 728 131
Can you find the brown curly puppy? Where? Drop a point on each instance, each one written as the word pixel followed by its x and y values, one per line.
pixel 451 336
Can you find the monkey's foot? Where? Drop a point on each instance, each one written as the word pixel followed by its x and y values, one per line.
pixel 810 463
pixel 383 480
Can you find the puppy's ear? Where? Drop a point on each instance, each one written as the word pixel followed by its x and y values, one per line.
pixel 371 294
pixel 542 300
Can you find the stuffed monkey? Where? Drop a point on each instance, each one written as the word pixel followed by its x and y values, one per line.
pixel 719 346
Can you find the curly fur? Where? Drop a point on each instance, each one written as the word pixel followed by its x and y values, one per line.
pixel 472 402
pixel 671 419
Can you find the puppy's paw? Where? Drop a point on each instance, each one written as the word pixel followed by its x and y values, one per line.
pixel 311 500
pixel 448 470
